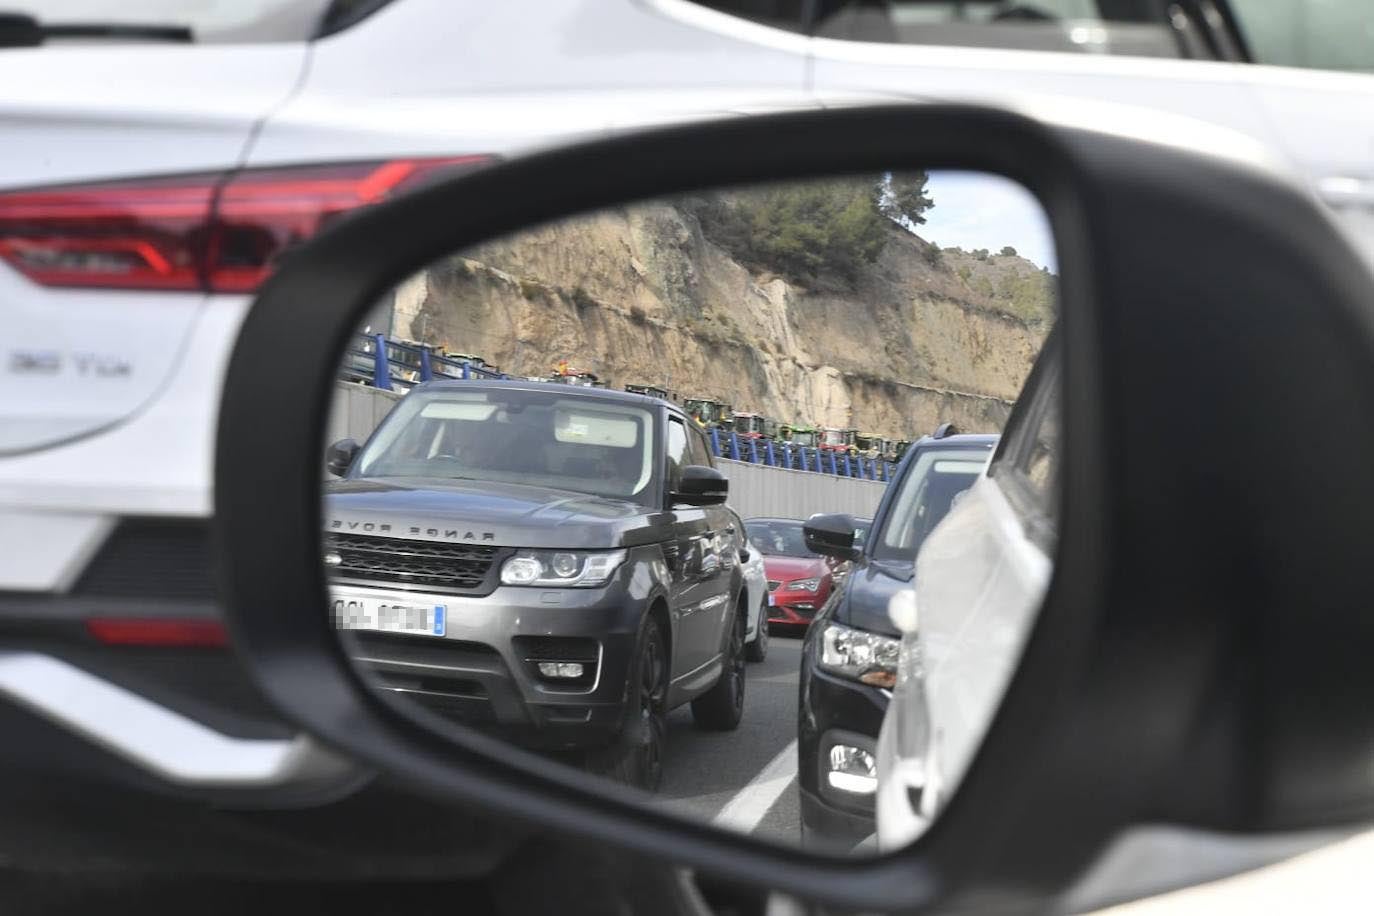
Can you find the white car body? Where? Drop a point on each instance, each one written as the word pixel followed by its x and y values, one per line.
pixel 108 398
pixel 757 584
pixel 980 582
pixel 756 593
pixel 981 577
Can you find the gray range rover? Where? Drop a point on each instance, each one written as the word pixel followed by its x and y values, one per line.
pixel 552 564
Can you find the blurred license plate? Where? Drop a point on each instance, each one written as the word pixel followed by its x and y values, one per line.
pixel 390 617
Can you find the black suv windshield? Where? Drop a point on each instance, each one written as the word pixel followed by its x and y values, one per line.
pixel 778 537
pixel 927 492
pixel 547 439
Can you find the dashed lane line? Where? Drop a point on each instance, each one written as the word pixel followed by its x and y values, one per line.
pixel 746 809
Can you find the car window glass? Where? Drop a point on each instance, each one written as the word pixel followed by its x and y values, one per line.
pixel 1091 26
pixel 1015 438
pixel 524 437
pixel 926 494
pixel 208 22
pixel 1041 465
pixel 1322 34
pixel 1026 466
pixel 780 14
pixel 677 453
pixel 779 537
pixel 699 452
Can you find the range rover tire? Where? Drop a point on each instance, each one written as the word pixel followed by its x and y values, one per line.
pixel 721 708
pixel 636 757
pixel 757 650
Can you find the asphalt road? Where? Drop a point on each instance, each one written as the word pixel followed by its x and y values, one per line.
pixel 745 779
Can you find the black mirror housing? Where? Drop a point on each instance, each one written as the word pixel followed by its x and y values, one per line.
pixel 338 458
pixel 701 486
pixel 1137 580
pixel 831 535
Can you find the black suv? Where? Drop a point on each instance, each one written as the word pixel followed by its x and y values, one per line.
pixel 849 657
pixel 553 564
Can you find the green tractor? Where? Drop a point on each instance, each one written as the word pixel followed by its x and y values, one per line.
pixel 710 413
pixel 870 445
pixel 650 391
pixel 801 435
pixel 755 426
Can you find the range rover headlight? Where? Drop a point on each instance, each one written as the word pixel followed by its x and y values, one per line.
pixel 561 568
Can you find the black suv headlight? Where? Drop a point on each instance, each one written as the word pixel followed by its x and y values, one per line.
pixel 868 658
pixel 561 568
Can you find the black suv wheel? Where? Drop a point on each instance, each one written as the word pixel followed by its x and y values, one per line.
pixel 721 708
pixel 636 758
pixel 757 650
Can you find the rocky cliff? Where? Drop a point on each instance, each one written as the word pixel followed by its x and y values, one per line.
pixel 642 295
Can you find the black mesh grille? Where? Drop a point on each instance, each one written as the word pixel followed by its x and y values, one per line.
pixel 557 648
pixel 417 564
pixel 151 558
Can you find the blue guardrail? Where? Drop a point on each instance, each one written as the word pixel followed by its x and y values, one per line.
pixel 405 365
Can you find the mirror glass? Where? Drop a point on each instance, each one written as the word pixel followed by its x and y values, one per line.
pixel 569 474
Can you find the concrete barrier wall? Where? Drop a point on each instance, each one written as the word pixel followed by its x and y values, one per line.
pixel 755 490
pixel 758 490
pixel 357 410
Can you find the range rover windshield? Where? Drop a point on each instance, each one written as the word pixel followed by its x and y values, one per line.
pixel 535 438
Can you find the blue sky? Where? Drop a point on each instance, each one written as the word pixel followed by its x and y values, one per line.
pixel 977 210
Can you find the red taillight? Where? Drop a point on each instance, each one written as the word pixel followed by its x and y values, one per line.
pixel 151 631
pixel 191 232
pixel 145 235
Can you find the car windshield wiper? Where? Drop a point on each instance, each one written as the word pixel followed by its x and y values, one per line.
pixel 18 30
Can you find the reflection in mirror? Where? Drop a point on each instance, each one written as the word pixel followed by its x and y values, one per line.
pixel 570 471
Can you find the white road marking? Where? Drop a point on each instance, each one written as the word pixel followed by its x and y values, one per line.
pixel 746 809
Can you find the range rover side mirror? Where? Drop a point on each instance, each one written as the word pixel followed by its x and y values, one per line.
pixel 701 486
pixel 339 457
pixel 831 535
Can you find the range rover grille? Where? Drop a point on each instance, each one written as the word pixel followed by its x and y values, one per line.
pixel 398 562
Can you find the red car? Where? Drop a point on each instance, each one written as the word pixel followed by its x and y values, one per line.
pixel 799 581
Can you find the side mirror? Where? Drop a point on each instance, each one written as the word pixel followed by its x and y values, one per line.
pixel 1122 584
pixel 701 486
pixel 338 458
pixel 745 555
pixel 831 535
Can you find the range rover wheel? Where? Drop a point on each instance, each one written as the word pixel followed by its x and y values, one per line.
pixel 636 758
pixel 720 708
pixel 757 650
